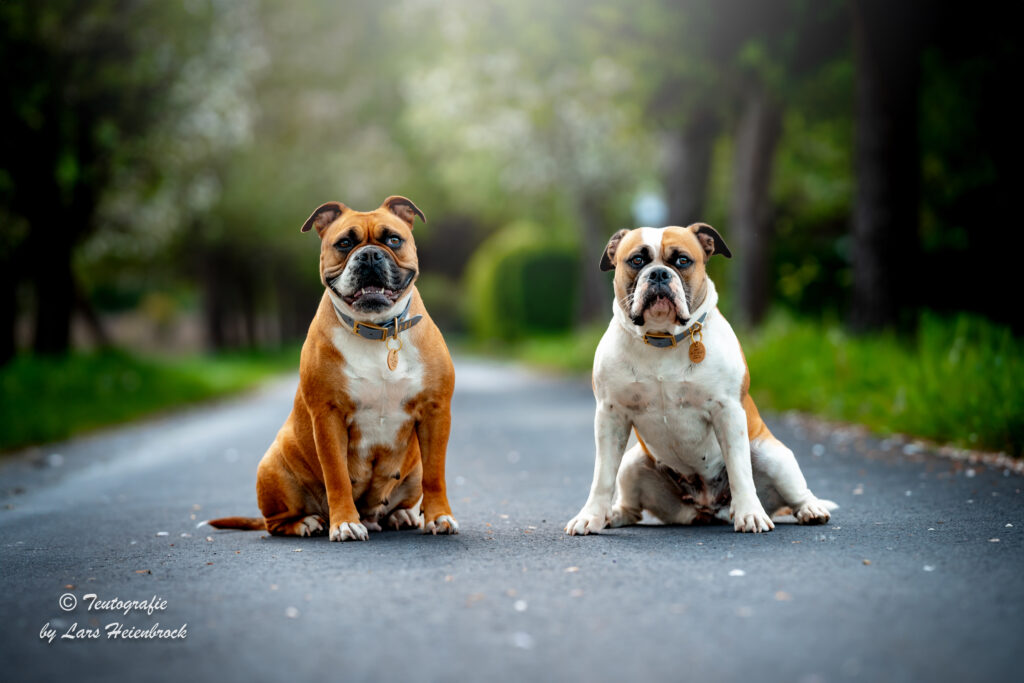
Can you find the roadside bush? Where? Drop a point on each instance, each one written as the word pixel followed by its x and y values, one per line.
pixel 520 283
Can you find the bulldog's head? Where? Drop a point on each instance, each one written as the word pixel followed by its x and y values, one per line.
pixel 367 258
pixel 660 275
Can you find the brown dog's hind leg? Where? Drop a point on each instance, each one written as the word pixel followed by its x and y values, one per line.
pixel 282 502
pixel 404 512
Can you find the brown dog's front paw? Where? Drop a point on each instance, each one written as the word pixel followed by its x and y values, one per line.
pixel 445 524
pixel 349 531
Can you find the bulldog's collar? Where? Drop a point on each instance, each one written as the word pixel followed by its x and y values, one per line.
pixel 383 331
pixel 663 340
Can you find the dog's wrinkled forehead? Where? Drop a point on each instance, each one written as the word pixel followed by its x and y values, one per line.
pixel 658 244
pixel 367 226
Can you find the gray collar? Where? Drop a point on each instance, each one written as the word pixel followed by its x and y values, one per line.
pixel 383 331
pixel 663 340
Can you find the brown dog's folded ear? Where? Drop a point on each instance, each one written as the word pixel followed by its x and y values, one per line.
pixel 608 259
pixel 710 240
pixel 403 208
pixel 324 216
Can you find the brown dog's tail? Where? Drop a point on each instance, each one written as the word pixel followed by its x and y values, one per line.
pixel 243 523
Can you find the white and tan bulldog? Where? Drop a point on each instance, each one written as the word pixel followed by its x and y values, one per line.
pixel 364 446
pixel 670 367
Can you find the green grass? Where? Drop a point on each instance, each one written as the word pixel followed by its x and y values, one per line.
pixel 957 380
pixel 44 399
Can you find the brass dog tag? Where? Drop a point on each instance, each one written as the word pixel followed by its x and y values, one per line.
pixel 697 351
pixel 393 352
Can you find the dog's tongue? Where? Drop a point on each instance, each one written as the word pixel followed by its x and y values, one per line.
pixel 661 305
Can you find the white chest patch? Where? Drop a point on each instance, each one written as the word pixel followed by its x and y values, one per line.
pixel 670 400
pixel 379 394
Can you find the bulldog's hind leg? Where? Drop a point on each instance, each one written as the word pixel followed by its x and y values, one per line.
pixel 779 481
pixel 640 486
pixel 282 501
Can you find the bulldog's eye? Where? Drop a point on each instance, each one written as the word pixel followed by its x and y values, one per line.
pixel 683 262
pixel 394 241
pixel 343 244
pixel 637 261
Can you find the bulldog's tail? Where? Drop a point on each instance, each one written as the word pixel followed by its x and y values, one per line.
pixel 243 523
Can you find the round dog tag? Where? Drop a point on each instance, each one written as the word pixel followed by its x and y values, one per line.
pixel 393 352
pixel 697 351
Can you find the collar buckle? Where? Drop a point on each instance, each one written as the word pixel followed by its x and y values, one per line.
pixel 356 325
pixel 659 335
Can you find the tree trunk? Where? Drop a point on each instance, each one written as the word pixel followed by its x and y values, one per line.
pixel 54 288
pixel 93 322
pixel 689 166
pixel 751 225
pixel 214 310
pixel 8 310
pixel 885 218
pixel 595 297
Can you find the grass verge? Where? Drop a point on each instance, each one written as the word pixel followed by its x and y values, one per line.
pixel 45 399
pixel 958 379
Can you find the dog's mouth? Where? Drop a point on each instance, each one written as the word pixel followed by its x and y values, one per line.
pixel 372 298
pixel 660 304
pixel 656 303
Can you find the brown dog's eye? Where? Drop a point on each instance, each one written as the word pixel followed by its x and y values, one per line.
pixel 637 261
pixel 343 244
pixel 394 241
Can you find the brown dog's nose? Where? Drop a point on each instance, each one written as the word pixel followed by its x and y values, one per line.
pixel 370 255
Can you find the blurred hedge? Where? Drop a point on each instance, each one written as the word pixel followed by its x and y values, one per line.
pixel 521 282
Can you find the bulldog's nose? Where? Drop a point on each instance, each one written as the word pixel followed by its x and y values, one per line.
pixel 659 276
pixel 370 256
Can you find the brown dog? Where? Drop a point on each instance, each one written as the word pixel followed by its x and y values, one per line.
pixel 367 436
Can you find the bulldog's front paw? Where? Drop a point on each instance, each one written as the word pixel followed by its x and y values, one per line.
pixel 445 524
pixel 751 518
pixel 590 520
pixel 814 511
pixel 404 518
pixel 349 531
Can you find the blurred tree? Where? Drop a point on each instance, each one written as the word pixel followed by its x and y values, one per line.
pixel 887 39
pixel 779 44
pixel 529 121
pixel 86 82
pixel 675 54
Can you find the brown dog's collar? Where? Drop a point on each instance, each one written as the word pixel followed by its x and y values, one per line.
pixel 383 331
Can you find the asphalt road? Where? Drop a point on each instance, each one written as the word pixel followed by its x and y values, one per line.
pixel 918 578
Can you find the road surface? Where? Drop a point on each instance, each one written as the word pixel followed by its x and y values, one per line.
pixel 918 578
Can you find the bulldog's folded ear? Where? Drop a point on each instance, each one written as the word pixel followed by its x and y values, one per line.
pixel 710 240
pixel 403 208
pixel 324 216
pixel 608 259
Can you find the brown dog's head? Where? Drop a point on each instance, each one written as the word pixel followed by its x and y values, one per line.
pixel 660 272
pixel 367 258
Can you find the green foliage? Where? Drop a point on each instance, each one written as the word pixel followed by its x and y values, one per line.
pixel 957 380
pixel 521 283
pixel 46 399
